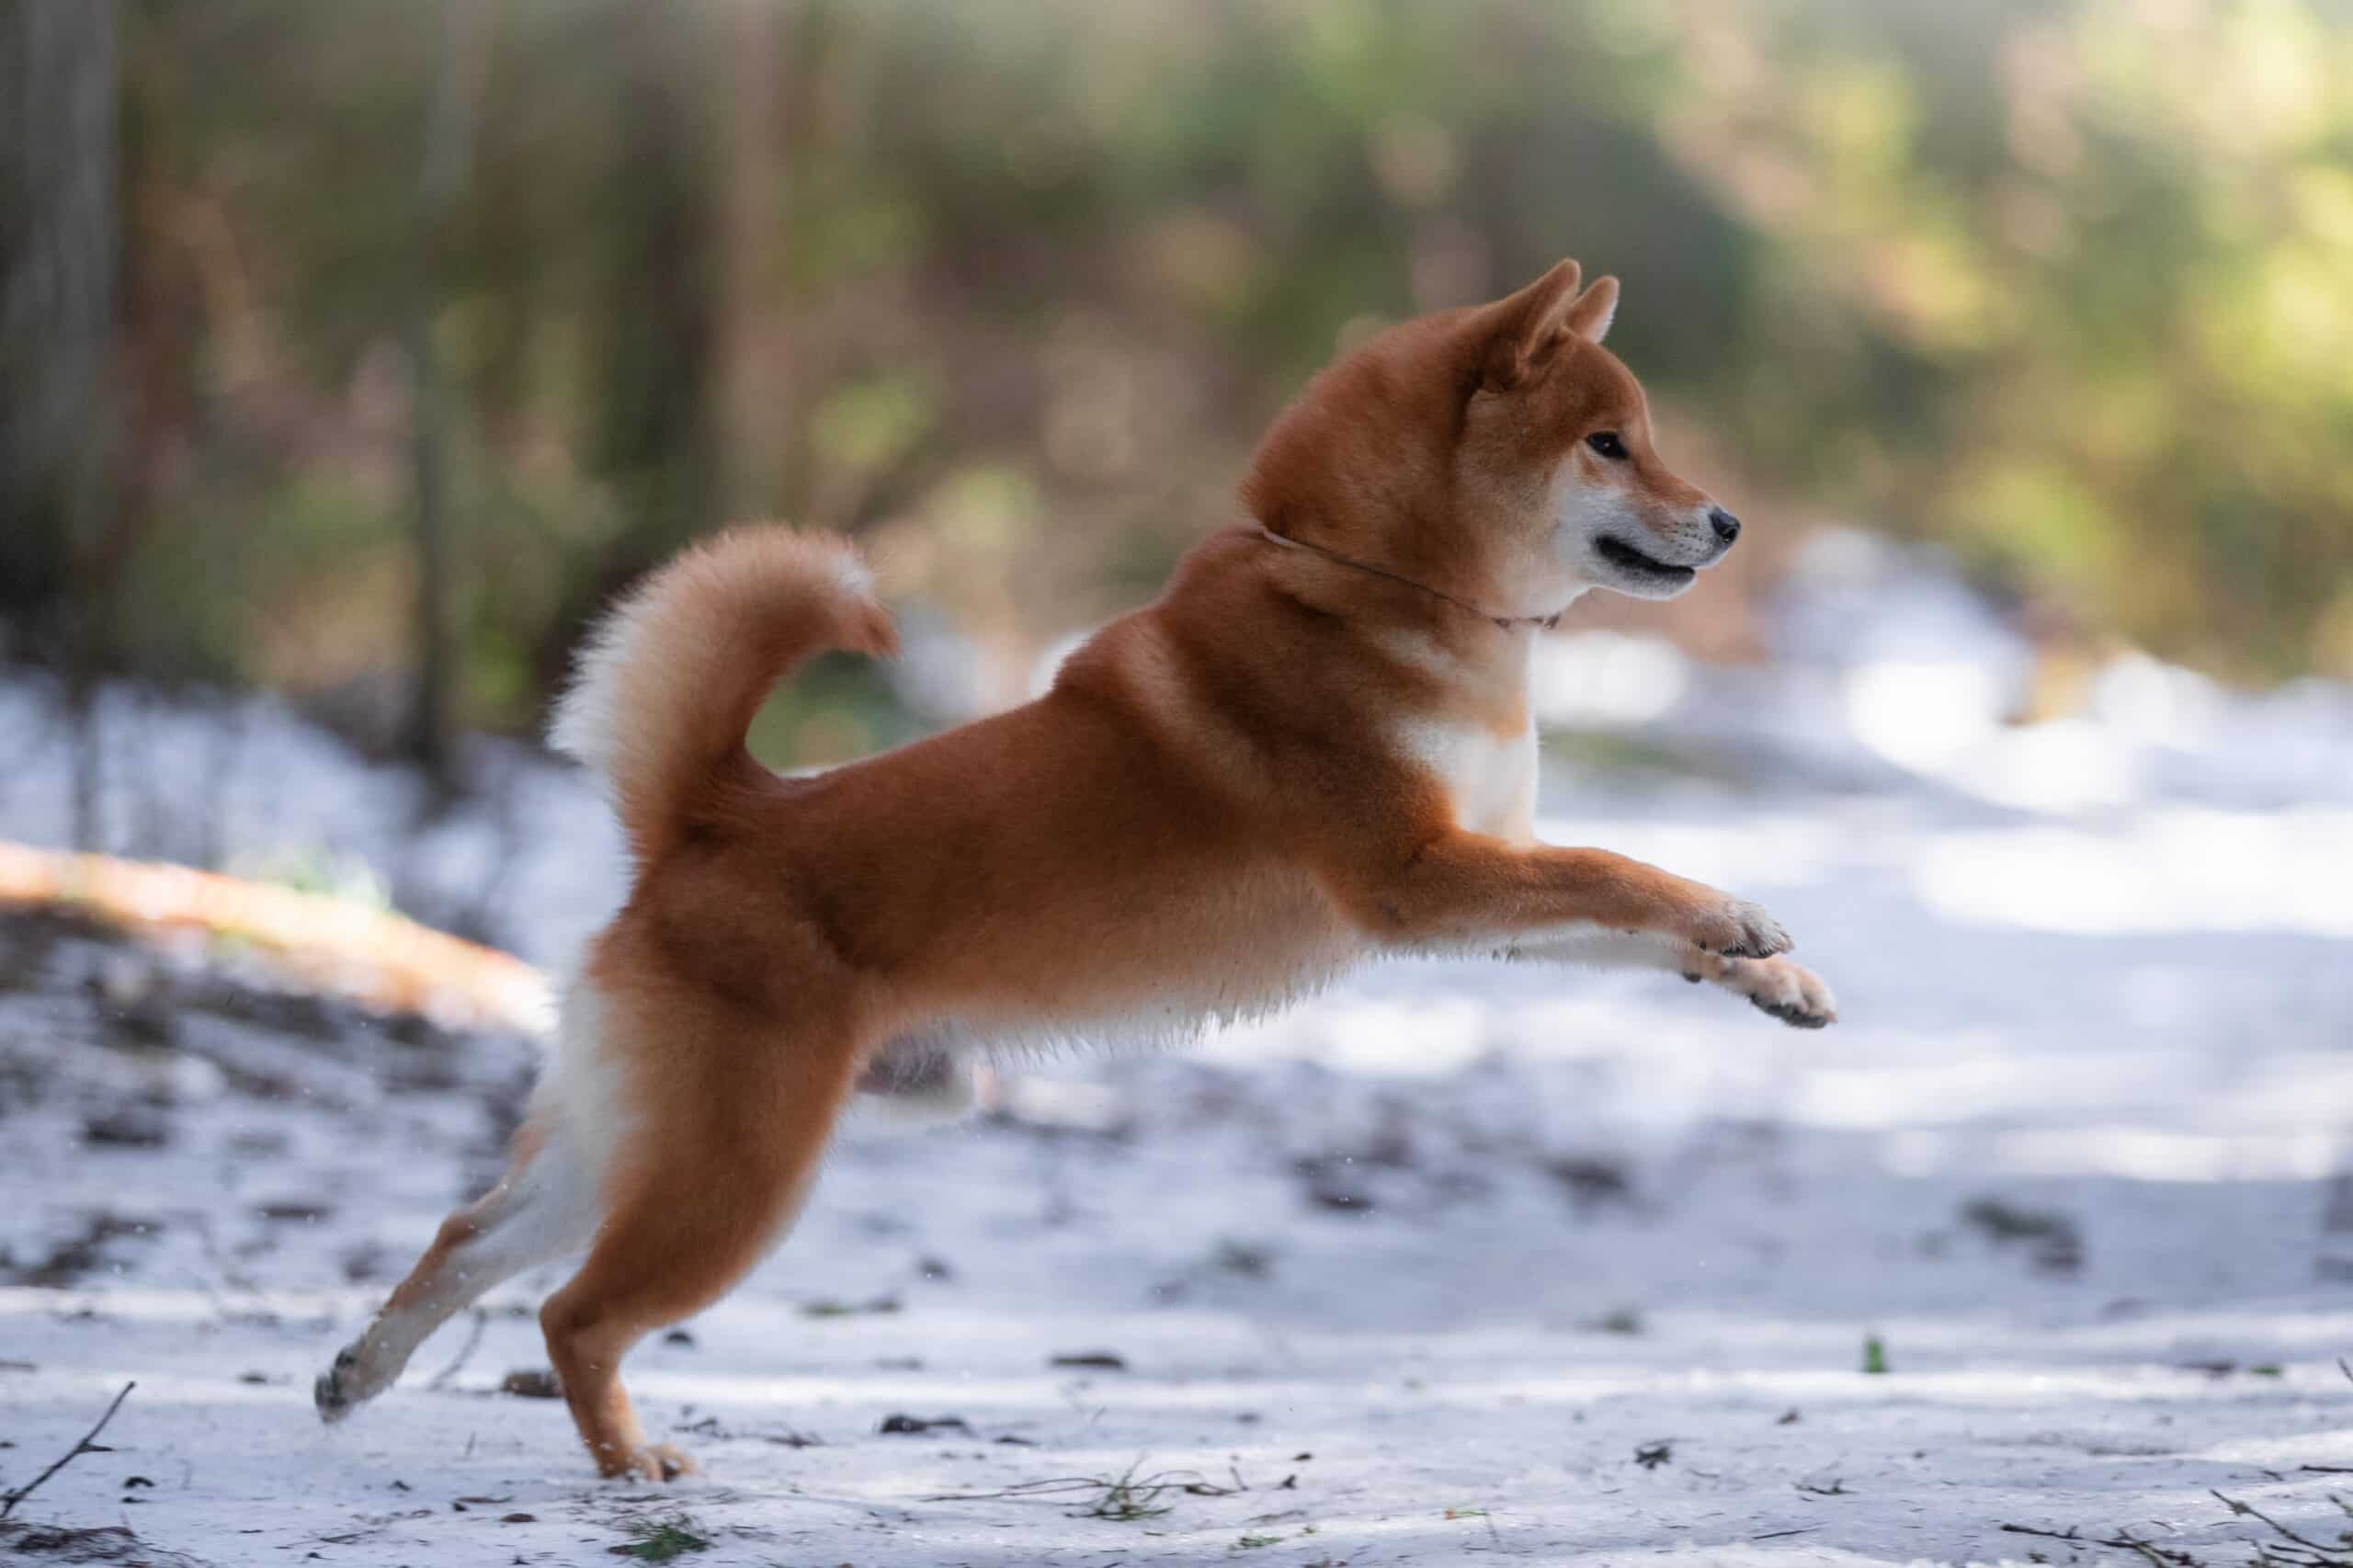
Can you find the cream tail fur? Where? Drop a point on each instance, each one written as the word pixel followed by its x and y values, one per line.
pixel 669 682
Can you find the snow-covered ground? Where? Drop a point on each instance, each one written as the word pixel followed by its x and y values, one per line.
pixel 1456 1261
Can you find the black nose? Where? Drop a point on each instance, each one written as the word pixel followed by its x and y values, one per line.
pixel 1727 526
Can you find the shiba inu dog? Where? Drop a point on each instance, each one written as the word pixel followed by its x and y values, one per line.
pixel 1314 749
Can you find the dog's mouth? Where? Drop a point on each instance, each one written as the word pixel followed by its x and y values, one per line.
pixel 1648 568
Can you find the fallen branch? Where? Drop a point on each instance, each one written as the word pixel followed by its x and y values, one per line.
pixel 88 1445
pixel 375 958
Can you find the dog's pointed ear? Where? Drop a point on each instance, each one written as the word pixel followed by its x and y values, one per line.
pixel 1524 329
pixel 1594 309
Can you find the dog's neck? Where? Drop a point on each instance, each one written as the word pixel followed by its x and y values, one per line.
pixel 1501 622
pixel 1482 661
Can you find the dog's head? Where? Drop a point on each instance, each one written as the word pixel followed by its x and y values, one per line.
pixel 1499 452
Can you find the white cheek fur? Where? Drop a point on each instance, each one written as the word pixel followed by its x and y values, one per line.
pixel 1583 511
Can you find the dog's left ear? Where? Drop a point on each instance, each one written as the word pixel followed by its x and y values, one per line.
pixel 1594 309
pixel 1523 330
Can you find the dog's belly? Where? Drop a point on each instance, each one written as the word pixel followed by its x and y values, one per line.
pixel 1211 955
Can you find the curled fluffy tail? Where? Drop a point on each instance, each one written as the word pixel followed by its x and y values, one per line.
pixel 668 682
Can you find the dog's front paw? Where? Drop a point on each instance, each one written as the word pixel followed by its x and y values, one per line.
pixel 1789 992
pixel 1736 928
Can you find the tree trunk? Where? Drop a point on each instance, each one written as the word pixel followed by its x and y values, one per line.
pixel 751 324
pixel 431 739
pixel 57 286
pixel 657 440
pixel 59 239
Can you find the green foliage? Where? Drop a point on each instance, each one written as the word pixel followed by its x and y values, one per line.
pixel 2062 284
pixel 1875 1354
pixel 662 1541
pixel 321 871
pixel 1125 1500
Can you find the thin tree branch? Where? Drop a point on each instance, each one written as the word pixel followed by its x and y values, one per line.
pixel 87 1445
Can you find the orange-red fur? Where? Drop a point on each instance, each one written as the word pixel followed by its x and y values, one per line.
pixel 1226 797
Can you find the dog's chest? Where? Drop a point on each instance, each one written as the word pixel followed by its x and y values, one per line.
pixel 1489 775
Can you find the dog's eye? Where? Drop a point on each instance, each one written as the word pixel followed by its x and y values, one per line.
pixel 1607 443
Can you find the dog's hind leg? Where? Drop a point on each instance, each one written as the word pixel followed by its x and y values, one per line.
pixel 543 1207
pixel 723 1150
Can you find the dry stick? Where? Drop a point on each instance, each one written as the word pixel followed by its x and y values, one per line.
pixel 86 1445
pixel 2236 1507
pixel 2047 1535
pixel 2156 1556
pixel 440 1378
pixel 1125 1486
pixel 2148 1552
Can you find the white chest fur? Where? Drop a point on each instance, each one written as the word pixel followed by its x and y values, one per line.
pixel 1489 777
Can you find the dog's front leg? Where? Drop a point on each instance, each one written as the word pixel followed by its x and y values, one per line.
pixel 1787 990
pixel 1451 888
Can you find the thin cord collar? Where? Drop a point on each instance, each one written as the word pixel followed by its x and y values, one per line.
pixel 1505 622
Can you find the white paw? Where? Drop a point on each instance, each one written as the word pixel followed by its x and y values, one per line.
pixel 1739 929
pixel 1791 993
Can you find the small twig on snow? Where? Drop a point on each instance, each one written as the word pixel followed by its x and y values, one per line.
pixel 2148 1552
pixel 1121 1497
pixel 473 1338
pixel 88 1445
pixel 2330 1553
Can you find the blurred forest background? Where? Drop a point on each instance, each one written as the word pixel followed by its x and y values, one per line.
pixel 362 351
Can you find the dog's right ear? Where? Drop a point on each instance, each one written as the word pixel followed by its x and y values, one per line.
pixel 1523 330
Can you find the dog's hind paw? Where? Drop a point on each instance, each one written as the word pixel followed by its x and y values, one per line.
pixel 652 1461
pixel 331 1393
